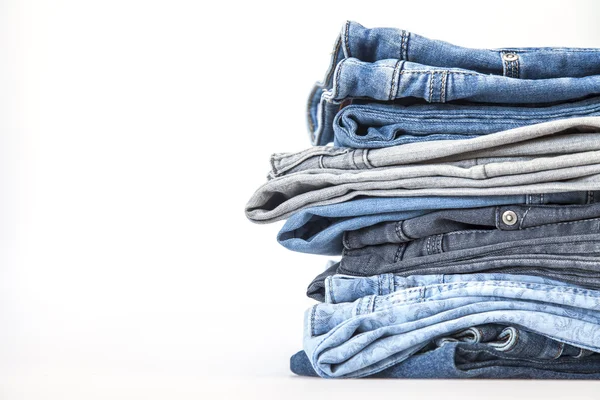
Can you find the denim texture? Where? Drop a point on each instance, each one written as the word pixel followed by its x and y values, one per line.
pixel 514 342
pixel 375 125
pixel 473 361
pixel 577 238
pixel 560 264
pixel 462 192
pixel 359 339
pixel 562 137
pixel 373 63
pixel 468 222
pixel 346 289
pixel 280 197
pixel 495 346
pixel 319 230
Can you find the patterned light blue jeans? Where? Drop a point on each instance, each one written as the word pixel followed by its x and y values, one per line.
pixel 374 332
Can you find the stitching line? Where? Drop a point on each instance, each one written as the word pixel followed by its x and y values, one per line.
pixel 523 218
pixel 337 76
pixel 402 43
pixel 443 88
pixel 366 159
pixel 432 74
pixel 346 34
pixel 391 95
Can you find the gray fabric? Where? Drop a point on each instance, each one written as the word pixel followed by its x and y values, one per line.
pixel 390 176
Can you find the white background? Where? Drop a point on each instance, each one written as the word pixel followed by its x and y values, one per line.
pixel 132 134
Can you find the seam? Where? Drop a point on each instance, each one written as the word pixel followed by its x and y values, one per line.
pixel 397 229
pixel 431 76
pixel 336 49
pixel 398 252
pixel 337 76
pixel 436 71
pixel 523 219
pixel 402 44
pixel 484 170
pixel 530 228
pixel 321 165
pixel 469 285
pixel 346 35
pixel 443 87
pixel 366 159
pixel 312 320
pixel 331 295
pixel 354 162
pixel 394 73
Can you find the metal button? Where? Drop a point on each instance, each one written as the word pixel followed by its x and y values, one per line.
pixel 509 217
pixel 510 57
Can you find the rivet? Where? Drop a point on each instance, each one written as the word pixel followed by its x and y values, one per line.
pixel 509 217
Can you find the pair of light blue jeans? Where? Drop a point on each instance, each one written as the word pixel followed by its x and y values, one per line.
pixel 366 336
pixel 473 361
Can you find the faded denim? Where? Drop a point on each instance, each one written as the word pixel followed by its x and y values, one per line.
pixel 473 361
pixel 470 222
pixel 576 238
pixel 578 170
pixel 570 260
pixel 374 63
pixel 352 340
pixel 319 230
pixel 375 125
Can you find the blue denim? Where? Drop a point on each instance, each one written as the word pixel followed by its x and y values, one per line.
pixel 471 222
pixel 352 340
pixel 346 289
pixel 514 342
pixel 567 246
pixel 375 125
pixel 495 345
pixel 386 64
pixel 461 361
pixel 319 230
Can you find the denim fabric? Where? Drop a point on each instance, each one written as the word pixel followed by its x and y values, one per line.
pixel 282 196
pixel 471 222
pixel 463 361
pixel 563 262
pixel 373 63
pixel 498 345
pixel 375 125
pixel 319 230
pixel 514 342
pixel 375 332
pixel 561 137
pixel 345 288
pixel 577 238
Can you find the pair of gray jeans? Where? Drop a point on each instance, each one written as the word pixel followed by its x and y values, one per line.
pixel 445 225
pixel 545 158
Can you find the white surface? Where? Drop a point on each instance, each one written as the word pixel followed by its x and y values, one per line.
pixel 133 132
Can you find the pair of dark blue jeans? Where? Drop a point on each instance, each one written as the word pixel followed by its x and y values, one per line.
pixel 462 360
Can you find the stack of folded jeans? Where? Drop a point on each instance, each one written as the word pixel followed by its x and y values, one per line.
pixel 463 195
